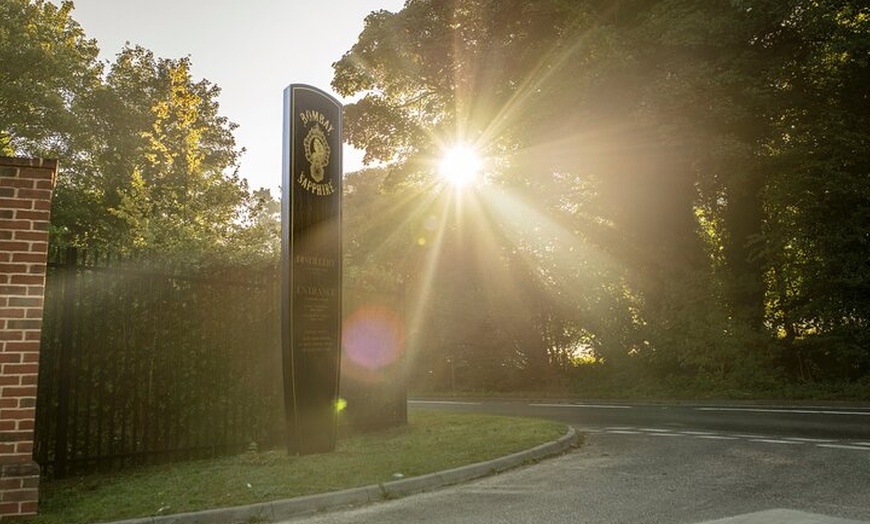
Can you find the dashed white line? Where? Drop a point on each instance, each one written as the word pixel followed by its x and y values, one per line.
pixel 844 446
pixel 811 440
pixel 590 406
pixel 793 441
pixel 774 441
pixel 449 402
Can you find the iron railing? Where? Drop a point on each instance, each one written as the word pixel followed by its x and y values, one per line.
pixel 140 365
pixel 143 364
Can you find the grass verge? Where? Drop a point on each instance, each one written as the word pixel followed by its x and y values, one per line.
pixel 432 441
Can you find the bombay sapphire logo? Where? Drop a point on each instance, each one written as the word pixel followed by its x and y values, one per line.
pixel 317 153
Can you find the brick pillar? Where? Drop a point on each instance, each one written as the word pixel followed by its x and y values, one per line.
pixel 25 201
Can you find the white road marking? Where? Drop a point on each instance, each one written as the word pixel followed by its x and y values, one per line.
pixel 591 406
pixel 794 441
pixel 452 402
pixel 843 446
pixel 796 411
pixel 780 515
pixel 811 440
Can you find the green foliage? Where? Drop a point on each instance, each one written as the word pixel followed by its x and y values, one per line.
pixel 819 193
pixel 148 164
pixel 49 68
pixel 679 187
pixel 182 195
pixel 162 180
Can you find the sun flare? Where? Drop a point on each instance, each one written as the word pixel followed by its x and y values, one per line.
pixel 460 165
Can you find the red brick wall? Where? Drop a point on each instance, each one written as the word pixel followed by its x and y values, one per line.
pixel 25 202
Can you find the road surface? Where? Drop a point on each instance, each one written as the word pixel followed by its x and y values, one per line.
pixel 663 464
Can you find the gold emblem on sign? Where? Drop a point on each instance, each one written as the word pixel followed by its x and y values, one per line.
pixel 317 151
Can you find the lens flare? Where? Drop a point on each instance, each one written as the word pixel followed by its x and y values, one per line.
pixel 373 337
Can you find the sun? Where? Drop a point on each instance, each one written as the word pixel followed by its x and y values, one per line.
pixel 460 165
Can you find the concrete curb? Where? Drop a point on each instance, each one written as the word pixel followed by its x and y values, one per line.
pixel 285 509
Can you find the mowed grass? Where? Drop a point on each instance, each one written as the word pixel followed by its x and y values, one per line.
pixel 432 441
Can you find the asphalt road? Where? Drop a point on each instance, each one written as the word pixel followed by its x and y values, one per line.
pixel 836 422
pixel 663 464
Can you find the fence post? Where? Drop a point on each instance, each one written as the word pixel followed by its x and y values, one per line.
pixel 402 364
pixel 67 330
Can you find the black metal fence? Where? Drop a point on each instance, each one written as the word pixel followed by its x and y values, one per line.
pixel 141 365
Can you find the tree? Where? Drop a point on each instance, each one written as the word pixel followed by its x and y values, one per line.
pixel 182 193
pixel 157 176
pixel 521 79
pixel 673 152
pixel 148 164
pixel 48 67
pixel 818 198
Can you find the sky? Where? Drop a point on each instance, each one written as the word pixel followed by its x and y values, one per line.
pixel 251 49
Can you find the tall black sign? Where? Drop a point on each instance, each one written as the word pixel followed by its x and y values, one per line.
pixel 311 267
